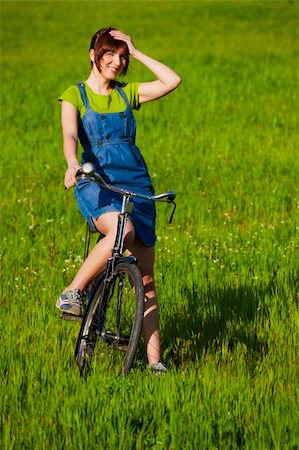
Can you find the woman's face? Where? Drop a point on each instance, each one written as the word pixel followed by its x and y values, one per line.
pixel 112 64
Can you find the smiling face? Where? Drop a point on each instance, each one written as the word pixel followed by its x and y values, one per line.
pixel 110 56
pixel 112 64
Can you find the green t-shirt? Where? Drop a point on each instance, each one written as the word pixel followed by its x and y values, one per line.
pixel 102 103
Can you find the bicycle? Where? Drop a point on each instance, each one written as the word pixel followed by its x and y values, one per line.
pixel 113 317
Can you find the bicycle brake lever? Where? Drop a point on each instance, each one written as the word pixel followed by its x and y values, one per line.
pixel 173 211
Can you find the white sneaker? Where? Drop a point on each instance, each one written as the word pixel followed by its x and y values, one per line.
pixel 71 302
pixel 158 368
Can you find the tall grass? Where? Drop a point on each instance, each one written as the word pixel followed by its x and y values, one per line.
pixel 227 268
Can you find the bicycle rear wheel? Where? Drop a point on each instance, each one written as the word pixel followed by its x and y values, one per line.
pixel 111 328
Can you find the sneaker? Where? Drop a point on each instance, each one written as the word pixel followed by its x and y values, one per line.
pixel 71 302
pixel 158 368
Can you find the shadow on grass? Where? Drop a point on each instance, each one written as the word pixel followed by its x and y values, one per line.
pixel 217 321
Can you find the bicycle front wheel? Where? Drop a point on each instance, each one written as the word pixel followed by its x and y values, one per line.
pixel 111 328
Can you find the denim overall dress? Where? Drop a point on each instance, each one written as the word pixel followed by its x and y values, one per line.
pixel 108 141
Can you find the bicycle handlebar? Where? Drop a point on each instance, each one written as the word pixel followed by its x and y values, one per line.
pixel 88 171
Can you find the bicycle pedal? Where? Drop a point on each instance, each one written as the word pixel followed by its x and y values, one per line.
pixel 70 317
pixel 121 348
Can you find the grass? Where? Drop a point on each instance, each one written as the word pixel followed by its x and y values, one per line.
pixel 227 268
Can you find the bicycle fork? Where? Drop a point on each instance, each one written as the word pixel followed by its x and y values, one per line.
pixel 126 209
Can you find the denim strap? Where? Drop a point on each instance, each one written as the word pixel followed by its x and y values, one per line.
pixel 82 90
pixel 123 95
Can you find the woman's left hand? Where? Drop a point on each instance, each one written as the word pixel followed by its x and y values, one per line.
pixel 120 36
pixel 167 79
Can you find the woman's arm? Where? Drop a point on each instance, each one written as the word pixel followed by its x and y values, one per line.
pixel 167 80
pixel 69 122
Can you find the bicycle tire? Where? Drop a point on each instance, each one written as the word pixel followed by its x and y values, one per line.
pixel 112 324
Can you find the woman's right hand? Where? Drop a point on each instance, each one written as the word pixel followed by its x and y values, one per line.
pixel 70 175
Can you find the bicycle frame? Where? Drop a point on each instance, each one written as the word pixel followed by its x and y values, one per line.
pixel 117 251
pixel 88 171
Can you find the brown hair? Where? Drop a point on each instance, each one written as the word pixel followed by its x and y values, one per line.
pixel 102 42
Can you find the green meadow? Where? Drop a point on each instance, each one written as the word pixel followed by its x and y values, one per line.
pixel 227 268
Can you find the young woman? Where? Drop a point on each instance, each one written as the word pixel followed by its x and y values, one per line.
pixel 99 113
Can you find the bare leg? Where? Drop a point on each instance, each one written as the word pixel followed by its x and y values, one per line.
pixel 151 335
pixel 97 258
